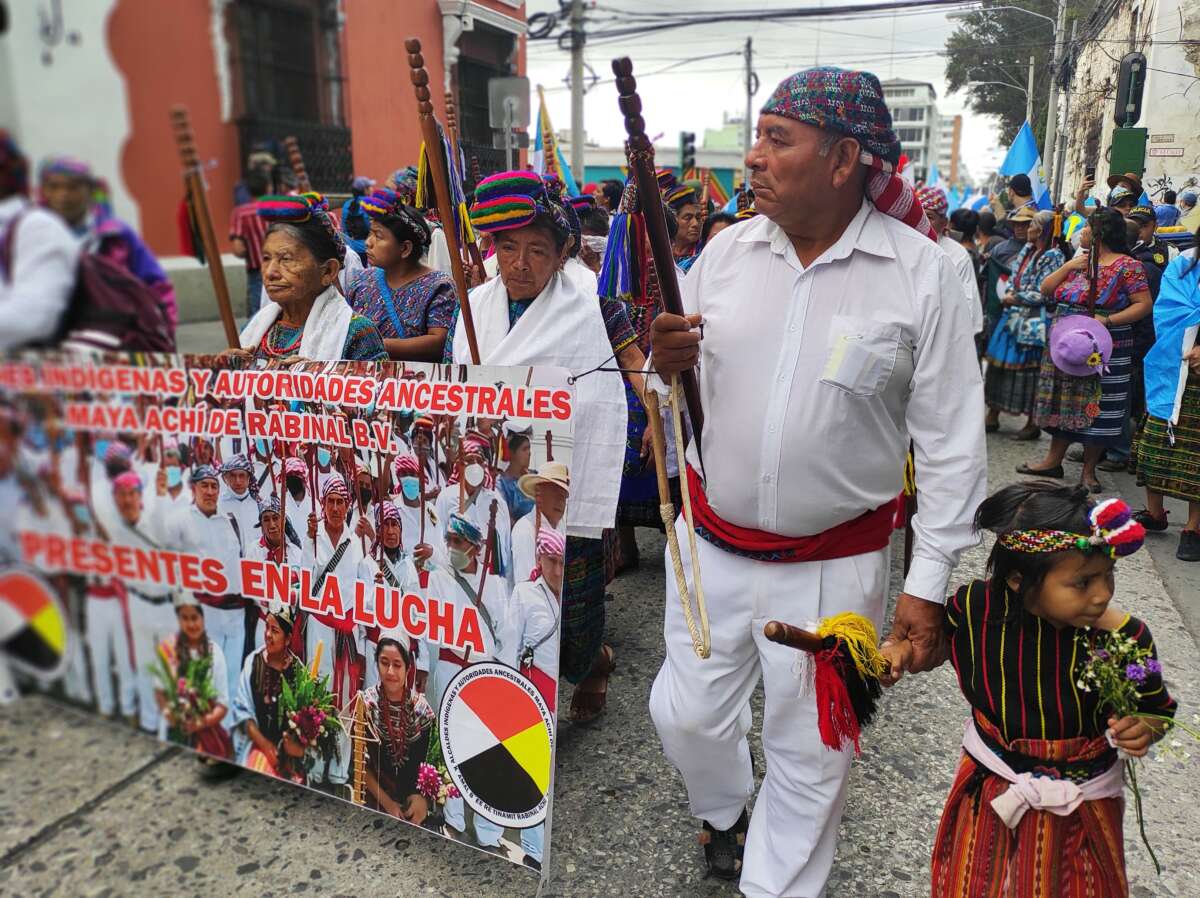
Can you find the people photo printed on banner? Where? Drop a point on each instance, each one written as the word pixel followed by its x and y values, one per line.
pixel 346 575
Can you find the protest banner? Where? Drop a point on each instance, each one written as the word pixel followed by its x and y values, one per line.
pixel 326 572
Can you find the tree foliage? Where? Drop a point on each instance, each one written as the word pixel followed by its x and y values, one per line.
pixel 994 44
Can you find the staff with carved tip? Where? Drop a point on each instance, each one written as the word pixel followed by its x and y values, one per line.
pixel 834 331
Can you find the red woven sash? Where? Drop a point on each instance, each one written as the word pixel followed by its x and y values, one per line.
pixel 868 532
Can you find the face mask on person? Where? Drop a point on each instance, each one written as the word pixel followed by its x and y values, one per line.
pixel 174 477
pixel 36 437
pixel 324 456
pixel 411 486
pixel 473 475
pixel 101 448
pixel 82 515
pixel 459 560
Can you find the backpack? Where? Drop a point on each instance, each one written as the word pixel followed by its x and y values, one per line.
pixel 109 309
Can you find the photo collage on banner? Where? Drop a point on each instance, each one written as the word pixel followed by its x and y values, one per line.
pixel 346 575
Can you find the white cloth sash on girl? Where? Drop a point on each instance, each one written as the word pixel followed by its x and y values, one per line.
pixel 1038 793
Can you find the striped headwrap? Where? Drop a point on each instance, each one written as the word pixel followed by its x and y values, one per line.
pixel 295 467
pixel 406 465
pixel 65 165
pixel 385 511
pixel 851 103
pixel 335 486
pixel 266 506
pixel 460 526
pixel 405 182
pixel 387 206
pixel 237 462
pixel 582 203
pixel 422 423
pixel 203 472
pixel 933 199
pixel 551 542
pixel 516 199
pixel 300 209
pixel 666 180
pixel 116 451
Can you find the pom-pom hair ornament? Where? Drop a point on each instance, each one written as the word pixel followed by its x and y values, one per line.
pixel 1114 532
pixel 847 666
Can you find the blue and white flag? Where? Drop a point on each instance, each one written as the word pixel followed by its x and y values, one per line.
pixel 1024 159
pixel 934 178
pixel 978 203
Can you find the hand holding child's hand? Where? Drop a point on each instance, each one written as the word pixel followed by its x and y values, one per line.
pixel 1133 735
pixel 899 655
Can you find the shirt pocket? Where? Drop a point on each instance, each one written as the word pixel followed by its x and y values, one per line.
pixel 861 355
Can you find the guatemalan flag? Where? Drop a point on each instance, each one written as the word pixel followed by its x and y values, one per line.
pixel 547 157
pixel 1024 159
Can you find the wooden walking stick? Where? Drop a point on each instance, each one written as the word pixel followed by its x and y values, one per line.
pixel 640 153
pixel 641 163
pixel 296 161
pixel 198 198
pixel 441 186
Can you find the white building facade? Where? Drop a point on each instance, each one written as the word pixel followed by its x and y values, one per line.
pixel 915 119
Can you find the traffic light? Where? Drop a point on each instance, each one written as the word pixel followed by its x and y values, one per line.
pixel 687 152
pixel 1130 80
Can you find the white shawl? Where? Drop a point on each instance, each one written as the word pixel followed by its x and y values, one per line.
pixel 563 328
pixel 324 337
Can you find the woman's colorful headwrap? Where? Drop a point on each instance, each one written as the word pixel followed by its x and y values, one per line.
pixel 405 181
pixel 1114 532
pixel 384 203
pixel 65 165
pixel 14 167
pixel 116 451
pixel 460 526
pixel 851 103
pixel 299 209
pixel 515 199
pixel 582 203
pixel 666 179
pixel 128 480
pixel 551 542
pixel 679 196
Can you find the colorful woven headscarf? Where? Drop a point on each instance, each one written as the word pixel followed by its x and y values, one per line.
pixel 267 506
pixel 385 511
pixel 299 209
pixel 582 203
pixel 385 204
pixel 460 526
pixel 116 451
pixel 14 167
pixel 666 179
pixel 851 103
pixel 515 199
pixel 237 462
pixel 1114 532
pixel 64 165
pixel 933 199
pixel 406 466
pixel 679 196
pixel 405 181
pixel 335 486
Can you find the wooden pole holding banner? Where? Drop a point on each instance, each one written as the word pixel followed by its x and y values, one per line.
pixel 441 186
pixel 198 199
pixel 641 163
pixel 296 161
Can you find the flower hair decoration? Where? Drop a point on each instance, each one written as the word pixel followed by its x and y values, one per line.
pixel 1114 532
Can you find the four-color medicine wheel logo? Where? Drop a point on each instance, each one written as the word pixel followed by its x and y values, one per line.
pixel 498 741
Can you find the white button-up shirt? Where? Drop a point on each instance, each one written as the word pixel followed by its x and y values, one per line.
pixel 965 269
pixel 191 530
pixel 35 294
pixel 813 380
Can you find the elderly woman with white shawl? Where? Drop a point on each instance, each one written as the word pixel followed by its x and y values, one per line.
pixel 307 316
pixel 533 314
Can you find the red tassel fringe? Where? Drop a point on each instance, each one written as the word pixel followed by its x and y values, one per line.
pixel 836 721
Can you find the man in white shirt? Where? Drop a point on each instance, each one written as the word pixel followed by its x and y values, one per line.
pixel 151 605
pixel 935 204
pixel 38 258
pixel 549 489
pixel 423 543
pixel 202 530
pixel 833 333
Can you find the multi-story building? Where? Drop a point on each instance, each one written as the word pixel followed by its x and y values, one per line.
pixel 97 79
pixel 1168 32
pixel 949 151
pixel 913 105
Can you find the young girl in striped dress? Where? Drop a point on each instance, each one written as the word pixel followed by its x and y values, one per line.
pixel 1036 806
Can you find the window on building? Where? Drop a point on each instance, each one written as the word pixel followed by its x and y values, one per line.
pixel 890 92
pixel 910 135
pixel 915 155
pixel 486 53
pixel 909 114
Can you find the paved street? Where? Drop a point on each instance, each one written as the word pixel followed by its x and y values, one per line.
pixel 90 809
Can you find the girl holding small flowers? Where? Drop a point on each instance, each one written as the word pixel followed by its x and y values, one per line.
pixel 1060 683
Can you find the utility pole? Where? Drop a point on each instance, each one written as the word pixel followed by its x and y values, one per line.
pixel 1029 95
pixel 1061 155
pixel 578 37
pixel 747 125
pixel 1048 148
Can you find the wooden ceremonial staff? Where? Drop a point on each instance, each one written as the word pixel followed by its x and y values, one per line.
pixel 641 163
pixel 198 199
pixel 441 186
pixel 296 161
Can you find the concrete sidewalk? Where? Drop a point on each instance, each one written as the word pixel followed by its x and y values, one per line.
pixel 90 809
